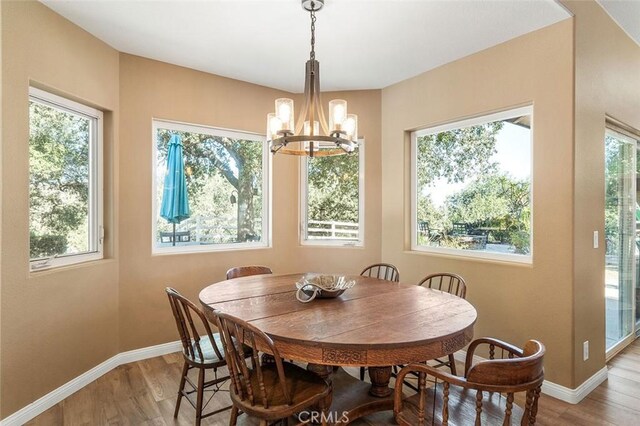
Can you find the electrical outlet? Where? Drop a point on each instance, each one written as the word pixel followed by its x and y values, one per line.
pixel 585 351
pixel 595 239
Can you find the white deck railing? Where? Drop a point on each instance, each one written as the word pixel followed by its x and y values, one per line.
pixel 323 229
pixel 221 229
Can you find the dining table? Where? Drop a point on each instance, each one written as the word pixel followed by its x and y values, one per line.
pixel 376 324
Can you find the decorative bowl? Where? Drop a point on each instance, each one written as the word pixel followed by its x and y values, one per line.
pixel 322 286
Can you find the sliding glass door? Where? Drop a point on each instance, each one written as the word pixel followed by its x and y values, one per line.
pixel 622 219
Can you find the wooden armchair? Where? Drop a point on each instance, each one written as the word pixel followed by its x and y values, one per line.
pixel 201 349
pixel 269 391
pixel 382 271
pixel 451 399
pixel 245 271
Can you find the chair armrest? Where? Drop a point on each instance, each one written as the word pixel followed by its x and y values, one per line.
pixel 428 370
pixel 488 341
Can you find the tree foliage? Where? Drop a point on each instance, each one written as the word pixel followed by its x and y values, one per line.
pixel 58 181
pixel 496 201
pixel 619 161
pixel 492 200
pixel 238 162
pixel 333 188
pixel 457 154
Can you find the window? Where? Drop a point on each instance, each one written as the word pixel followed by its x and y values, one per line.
pixel 65 181
pixel 226 174
pixel 471 187
pixel 333 199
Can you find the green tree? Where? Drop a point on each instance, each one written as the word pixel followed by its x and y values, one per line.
pixel 496 201
pixel 457 154
pixel 238 161
pixel 453 155
pixel 58 181
pixel 618 167
pixel 333 188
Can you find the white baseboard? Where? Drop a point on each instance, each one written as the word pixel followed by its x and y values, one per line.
pixel 572 396
pixel 32 410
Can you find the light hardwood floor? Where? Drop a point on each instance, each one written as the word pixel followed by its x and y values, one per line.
pixel 144 393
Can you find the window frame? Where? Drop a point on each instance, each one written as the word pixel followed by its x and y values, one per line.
pixel 361 210
pixel 159 123
pixel 96 181
pixel 526 259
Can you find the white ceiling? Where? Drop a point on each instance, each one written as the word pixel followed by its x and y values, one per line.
pixel 626 13
pixel 360 44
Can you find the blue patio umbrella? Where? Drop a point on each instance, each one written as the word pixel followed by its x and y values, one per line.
pixel 175 201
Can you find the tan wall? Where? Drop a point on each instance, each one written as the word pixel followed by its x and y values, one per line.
pixel 514 302
pixel 55 325
pixel 151 89
pixel 607 83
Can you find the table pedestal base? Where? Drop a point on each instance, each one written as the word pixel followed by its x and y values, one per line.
pixel 352 398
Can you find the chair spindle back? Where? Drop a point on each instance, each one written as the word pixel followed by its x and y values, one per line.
pixel 382 271
pixel 245 271
pixel 247 380
pixel 184 312
pixel 444 281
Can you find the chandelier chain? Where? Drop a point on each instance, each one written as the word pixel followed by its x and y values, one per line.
pixel 313 34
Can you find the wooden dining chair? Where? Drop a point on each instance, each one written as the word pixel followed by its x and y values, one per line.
pixel 201 349
pixel 445 281
pixel 267 391
pixel 245 271
pixel 484 395
pixel 453 284
pixel 383 271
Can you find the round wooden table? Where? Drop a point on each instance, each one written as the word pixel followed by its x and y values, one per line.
pixel 377 324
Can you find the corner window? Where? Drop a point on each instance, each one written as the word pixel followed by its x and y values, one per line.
pixel 332 199
pixel 65 181
pixel 471 187
pixel 211 189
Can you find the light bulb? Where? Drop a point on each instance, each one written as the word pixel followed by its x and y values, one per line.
pixel 337 114
pixel 274 125
pixel 284 111
pixel 351 127
pixel 316 128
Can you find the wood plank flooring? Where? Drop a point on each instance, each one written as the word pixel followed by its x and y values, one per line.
pixel 144 393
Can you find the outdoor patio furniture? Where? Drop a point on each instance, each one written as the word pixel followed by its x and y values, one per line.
pixel 181 237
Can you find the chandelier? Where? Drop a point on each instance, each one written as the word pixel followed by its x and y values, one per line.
pixel 338 136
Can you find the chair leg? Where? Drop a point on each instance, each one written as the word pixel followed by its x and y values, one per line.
pixel 452 364
pixel 362 370
pixel 200 396
pixel 183 379
pixel 233 418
